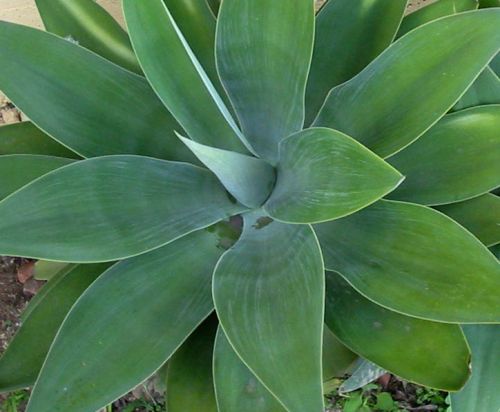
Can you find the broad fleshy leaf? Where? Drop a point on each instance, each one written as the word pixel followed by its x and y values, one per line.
pixel 414 260
pixel 189 378
pixel 349 35
pixel 268 292
pixel 127 324
pixel 17 171
pixel 337 358
pixel 481 216
pixel 263 52
pixel 414 82
pixel 26 138
pixel 323 174
pixel 81 99
pixel 485 90
pixel 109 208
pixel 364 373
pixel 481 392
pixel 249 179
pixel 236 387
pixel 91 26
pixel 457 159
pixel 177 76
pixel 23 359
pixel 429 353
pixel 197 24
pixel 434 11
pixel 214 6
pixel 46 269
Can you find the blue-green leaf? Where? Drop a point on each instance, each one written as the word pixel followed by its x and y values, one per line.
pixel 349 35
pixel 248 179
pixel 178 77
pixel 126 325
pixel 323 174
pixel 109 208
pixel 268 292
pixel 414 260
pixel 19 170
pixel 414 82
pixel 429 353
pixel 455 160
pixel 91 26
pixel 82 100
pixel 263 55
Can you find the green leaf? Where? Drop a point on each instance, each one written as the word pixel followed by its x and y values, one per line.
pixel 189 380
pixel 408 347
pixel 19 170
pixel 457 159
pixel 23 359
pixel 349 35
pixel 485 90
pixel 26 138
pixel 481 392
pixel 414 82
pixel 46 269
pixel 337 358
pixel 81 99
pixel 268 292
pixel 214 6
pixel 91 26
pixel 248 179
pixel 414 260
pixel 489 3
pixel 197 24
pixel 109 208
pixel 364 373
pixel 263 51
pixel 481 216
pixel 434 11
pixel 323 174
pixel 177 76
pixel 236 387
pixel 126 325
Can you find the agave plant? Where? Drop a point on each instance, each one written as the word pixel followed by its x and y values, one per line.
pixel 193 185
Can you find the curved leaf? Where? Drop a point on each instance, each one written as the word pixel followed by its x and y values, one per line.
pixel 337 358
pixel 126 325
pixel 485 90
pixel 412 84
pixel 19 170
pixel 323 174
pixel 189 377
pixel 26 138
pixel 91 26
pixel 23 359
pixel 268 292
pixel 236 387
pixel 109 208
pixel 46 269
pixel 457 159
pixel 414 260
pixel 429 353
pixel 248 179
pixel 434 11
pixel 481 216
pixel 83 100
pixel 177 77
pixel 349 35
pixel 364 373
pixel 264 76
pixel 197 24
pixel 481 392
